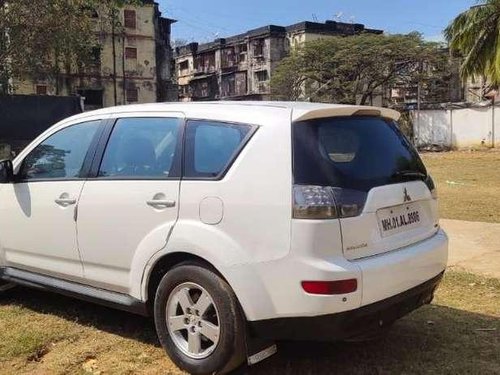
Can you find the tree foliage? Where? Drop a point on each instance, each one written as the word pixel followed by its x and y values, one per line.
pixel 475 34
pixel 43 38
pixel 352 69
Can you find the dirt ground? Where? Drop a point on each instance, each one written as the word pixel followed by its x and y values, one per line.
pixel 474 246
pixel 468 184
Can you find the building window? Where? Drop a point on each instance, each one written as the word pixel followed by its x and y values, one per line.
pixel 130 19
pixel 131 53
pixel 184 90
pixel 258 48
pixel 41 89
pixel 205 63
pixel 184 66
pixel 95 55
pixel 91 11
pixel 262 76
pixel 132 95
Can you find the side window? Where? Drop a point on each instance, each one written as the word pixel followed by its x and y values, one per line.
pixel 62 155
pixel 212 146
pixel 143 147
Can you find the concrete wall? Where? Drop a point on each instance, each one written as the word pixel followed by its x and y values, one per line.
pixel 25 117
pixel 457 128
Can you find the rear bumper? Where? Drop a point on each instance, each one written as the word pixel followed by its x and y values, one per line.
pixel 348 324
pixel 272 290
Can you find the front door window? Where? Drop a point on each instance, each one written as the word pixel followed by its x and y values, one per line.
pixel 62 155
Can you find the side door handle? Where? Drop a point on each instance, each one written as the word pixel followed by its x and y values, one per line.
pixel 64 200
pixel 161 203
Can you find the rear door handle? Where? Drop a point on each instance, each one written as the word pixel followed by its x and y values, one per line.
pixel 159 203
pixel 65 202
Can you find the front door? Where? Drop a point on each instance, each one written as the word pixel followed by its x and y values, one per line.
pixel 129 208
pixel 37 213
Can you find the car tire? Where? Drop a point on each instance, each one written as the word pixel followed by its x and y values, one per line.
pixel 199 321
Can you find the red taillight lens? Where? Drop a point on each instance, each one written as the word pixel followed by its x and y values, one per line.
pixel 330 287
pixel 325 202
pixel 314 202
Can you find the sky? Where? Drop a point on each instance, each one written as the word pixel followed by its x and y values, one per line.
pixel 205 20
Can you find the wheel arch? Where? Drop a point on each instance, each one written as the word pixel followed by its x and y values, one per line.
pixel 165 263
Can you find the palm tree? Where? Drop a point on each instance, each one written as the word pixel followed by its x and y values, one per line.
pixel 475 34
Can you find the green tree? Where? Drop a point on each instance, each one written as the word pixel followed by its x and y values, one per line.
pixel 42 37
pixel 353 69
pixel 47 38
pixel 475 35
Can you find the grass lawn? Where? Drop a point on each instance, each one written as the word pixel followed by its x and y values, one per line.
pixel 468 184
pixel 49 334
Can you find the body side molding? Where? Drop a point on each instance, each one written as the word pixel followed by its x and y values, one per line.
pixel 70 289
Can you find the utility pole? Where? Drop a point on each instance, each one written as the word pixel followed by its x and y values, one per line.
pixel 417 135
pixel 419 101
pixel 493 121
pixel 113 42
pixel 124 85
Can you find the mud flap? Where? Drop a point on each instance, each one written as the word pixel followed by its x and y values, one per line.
pixel 258 349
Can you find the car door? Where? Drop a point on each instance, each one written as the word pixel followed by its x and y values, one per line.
pixel 37 212
pixel 130 206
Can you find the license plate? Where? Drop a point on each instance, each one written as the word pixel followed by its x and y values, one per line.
pixel 399 219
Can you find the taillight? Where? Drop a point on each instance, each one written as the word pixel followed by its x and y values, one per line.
pixel 330 287
pixel 432 186
pixel 326 202
pixel 350 203
pixel 314 202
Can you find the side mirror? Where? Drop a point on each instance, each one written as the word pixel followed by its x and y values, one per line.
pixel 6 172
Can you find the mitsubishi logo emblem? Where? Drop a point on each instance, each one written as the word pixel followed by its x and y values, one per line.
pixel 407 197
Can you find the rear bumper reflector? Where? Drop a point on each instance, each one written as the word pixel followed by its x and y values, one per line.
pixel 330 287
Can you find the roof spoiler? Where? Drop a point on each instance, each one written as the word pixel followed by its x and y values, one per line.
pixel 304 115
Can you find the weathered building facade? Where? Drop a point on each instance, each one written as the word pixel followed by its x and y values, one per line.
pixel 441 83
pixel 240 67
pixel 132 62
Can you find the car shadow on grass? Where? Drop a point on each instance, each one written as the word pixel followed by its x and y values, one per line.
pixel 435 339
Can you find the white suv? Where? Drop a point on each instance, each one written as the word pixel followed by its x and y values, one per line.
pixel 232 224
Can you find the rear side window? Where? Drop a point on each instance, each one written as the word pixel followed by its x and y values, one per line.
pixel 143 148
pixel 356 153
pixel 211 147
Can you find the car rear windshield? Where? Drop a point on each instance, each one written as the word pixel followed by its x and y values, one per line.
pixel 356 153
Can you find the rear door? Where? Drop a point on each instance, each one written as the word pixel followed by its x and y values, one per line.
pixel 381 187
pixel 131 203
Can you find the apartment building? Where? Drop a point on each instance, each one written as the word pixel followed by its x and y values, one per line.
pixel 441 84
pixel 240 67
pixel 132 62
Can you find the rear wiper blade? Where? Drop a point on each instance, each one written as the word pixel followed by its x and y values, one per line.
pixel 409 174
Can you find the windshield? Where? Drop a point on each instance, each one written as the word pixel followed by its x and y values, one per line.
pixel 357 153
